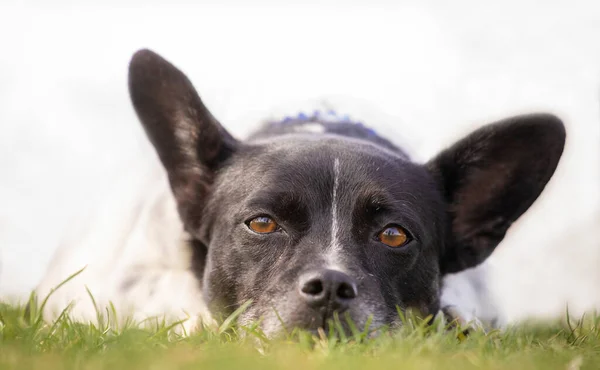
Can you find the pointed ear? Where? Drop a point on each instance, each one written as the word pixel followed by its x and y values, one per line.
pixel 190 143
pixel 490 178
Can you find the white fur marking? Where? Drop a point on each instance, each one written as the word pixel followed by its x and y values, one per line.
pixel 316 128
pixel 335 246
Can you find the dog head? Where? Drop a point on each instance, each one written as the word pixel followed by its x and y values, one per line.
pixel 305 225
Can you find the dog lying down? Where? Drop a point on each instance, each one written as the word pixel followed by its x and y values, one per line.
pixel 307 217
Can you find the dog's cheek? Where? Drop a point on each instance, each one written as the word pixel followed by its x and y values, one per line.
pixel 265 250
pixel 271 325
pixel 224 278
pixel 249 317
pixel 229 263
pixel 420 288
pixel 269 310
pixel 279 304
pixel 372 303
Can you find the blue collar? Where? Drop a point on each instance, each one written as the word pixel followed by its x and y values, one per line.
pixel 328 117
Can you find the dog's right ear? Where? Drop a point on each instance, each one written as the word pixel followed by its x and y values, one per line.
pixel 190 143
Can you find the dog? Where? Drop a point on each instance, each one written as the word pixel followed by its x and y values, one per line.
pixel 310 216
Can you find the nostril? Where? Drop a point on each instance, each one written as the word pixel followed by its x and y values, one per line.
pixel 346 291
pixel 313 287
pixel 329 288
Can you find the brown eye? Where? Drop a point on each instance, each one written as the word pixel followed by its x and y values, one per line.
pixel 262 225
pixel 393 236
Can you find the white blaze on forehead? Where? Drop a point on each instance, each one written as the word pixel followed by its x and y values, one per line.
pixel 333 260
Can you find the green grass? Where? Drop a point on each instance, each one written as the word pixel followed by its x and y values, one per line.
pixel 27 342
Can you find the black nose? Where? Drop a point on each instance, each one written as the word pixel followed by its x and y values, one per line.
pixel 328 287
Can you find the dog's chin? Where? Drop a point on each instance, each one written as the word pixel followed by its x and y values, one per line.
pixel 281 324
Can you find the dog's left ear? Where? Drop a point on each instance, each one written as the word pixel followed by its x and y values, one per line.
pixel 490 178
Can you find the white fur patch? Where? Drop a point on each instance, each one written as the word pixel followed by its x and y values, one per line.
pixel 135 256
pixel 467 293
pixel 335 246
pixel 313 127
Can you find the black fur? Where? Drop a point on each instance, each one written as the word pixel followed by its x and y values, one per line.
pixel 456 208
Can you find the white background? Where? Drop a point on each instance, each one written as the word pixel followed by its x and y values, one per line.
pixel 440 68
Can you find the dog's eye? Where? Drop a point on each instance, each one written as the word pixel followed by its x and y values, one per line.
pixel 262 225
pixel 393 236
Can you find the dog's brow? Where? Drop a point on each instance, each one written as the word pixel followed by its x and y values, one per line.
pixel 378 201
pixel 282 203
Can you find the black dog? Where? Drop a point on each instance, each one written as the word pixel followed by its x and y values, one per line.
pixel 316 214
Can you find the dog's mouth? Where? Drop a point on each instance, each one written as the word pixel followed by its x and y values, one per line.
pixel 328 315
pixel 328 319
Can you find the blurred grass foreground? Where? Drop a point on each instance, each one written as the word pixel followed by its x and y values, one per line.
pixel 29 342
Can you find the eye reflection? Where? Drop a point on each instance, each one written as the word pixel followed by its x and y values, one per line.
pixel 393 236
pixel 262 225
